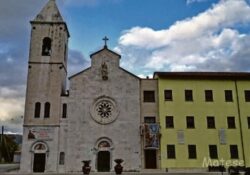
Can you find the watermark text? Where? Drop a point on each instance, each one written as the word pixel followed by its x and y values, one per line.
pixel 221 162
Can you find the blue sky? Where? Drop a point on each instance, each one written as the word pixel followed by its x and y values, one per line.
pixel 150 35
pixel 92 22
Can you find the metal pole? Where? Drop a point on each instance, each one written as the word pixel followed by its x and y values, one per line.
pixel 1 144
pixel 2 134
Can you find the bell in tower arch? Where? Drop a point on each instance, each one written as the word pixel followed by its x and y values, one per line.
pixel 46 48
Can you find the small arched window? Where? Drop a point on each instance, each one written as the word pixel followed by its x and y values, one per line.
pixel 64 111
pixel 47 110
pixel 65 52
pixel 37 109
pixel 46 49
pixel 61 158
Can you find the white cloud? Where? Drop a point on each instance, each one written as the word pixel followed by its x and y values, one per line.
pixel 145 76
pixel 193 43
pixel 11 108
pixel 11 102
pixel 224 14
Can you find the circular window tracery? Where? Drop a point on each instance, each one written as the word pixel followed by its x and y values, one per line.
pixel 104 110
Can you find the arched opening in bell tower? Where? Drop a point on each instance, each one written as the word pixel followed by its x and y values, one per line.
pixel 46 48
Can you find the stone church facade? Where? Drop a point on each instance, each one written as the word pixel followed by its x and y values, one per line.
pixel 97 119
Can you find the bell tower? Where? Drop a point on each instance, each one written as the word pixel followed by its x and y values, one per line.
pixel 47 72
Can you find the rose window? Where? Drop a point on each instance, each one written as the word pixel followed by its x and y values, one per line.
pixel 104 109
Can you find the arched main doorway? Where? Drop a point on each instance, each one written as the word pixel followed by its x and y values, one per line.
pixel 104 157
pixel 39 150
pixel 39 162
pixel 103 161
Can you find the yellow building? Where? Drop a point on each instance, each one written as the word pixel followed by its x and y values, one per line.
pixel 204 119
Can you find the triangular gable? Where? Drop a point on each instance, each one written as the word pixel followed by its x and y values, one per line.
pixel 105 48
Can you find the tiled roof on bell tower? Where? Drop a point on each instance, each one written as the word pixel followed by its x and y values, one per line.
pixel 49 13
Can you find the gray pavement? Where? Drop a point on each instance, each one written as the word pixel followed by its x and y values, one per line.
pixel 8 167
pixel 112 173
pixel 12 169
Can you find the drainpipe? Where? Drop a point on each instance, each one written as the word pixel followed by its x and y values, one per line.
pixel 240 124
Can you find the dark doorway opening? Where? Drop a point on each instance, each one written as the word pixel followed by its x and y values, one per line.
pixel 150 159
pixel 39 163
pixel 103 161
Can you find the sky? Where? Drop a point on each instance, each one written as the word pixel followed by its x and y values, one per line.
pixel 150 35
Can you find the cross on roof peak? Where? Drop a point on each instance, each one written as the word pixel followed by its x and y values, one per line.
pixel 105 39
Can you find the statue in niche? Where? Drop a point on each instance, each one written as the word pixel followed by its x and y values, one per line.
pixel 31 135
pixel 104 71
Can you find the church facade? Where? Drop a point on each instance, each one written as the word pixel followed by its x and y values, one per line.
pixel 109 113
pixel 97 119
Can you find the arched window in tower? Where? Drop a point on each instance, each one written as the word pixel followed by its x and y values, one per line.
pixel 37 110
pixel 47 110
pixel 46 50
pixel 65 52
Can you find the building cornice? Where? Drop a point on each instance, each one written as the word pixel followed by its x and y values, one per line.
pixel 204 75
